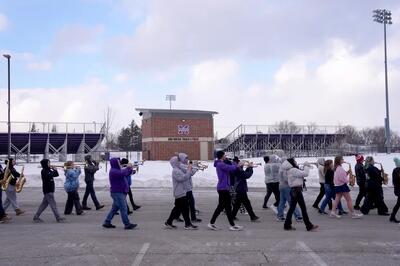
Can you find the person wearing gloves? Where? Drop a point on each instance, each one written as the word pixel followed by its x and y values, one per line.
pixel 396 185
pixel 361 179
pixel 374 189
pixel 321 167
pixel 118 190
pixel 224 199
pixel 295 180
pixel 241 189
pixel 71 186
pixel 91 167
pixel 341 179
pixel 179 186
pixel 124 162
pixel 284 193
pixel 271 171
pixel 48 173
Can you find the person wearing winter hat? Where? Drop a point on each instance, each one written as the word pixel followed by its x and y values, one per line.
pixel 271 171
pixel 374 189
pixel 361 180
pixel 11 194
pixel 295 180
pixel 91 167
pixel 396 185
pixel 321 167
pixel 48 173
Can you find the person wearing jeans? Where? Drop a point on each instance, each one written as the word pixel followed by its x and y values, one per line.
pixel 295 180
pixel 284 196
pixel 118 190
pixel 329 188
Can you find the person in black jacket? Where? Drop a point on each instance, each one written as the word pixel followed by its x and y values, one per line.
pixel 48 173
pixel 91 167
pixel 11 194
pixel 374 189
pixel 396 185
pixel 241 189
pixel 2 213
pixel 361 180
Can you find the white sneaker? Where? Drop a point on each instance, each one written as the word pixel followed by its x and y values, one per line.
pixel 335 215
pixel 236 228
pixel 356 215
pixel 213 227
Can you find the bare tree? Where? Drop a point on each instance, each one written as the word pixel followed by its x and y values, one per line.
pixel 108 120
pixel 352 135
pixel 312 128
pixel 287 127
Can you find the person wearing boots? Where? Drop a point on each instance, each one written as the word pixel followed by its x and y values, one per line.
pixel 396 185
pixel 91 167
pixel 271 171
pixel 361 180
pixel 135 207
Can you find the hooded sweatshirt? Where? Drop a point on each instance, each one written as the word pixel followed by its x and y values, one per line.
pixel 340 177
pixel 271 169
pixel 117 177
pixel 179 178
pixel 48 175
pixel 396 177
pixel 321 168
pixel 223 170
pixel 90 168
pixel 183 164
pixel 295 176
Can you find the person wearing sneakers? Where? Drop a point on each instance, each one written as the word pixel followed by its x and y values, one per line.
pixel 91 167
pixel 271 171
pixel 241 189
pixel 71 186
pixel 374 189
pixel 329 189
pixel 11 194
pixel 361 180
pixel 284 194
pixel 296 180
pixel 119 190
pixel 341 179
pixel 135 207
pixel 179 184
pixel 48 173
pixel 224 200
pixel 321 175
pixel 396 185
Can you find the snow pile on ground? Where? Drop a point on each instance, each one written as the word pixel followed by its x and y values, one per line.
pixel 158 174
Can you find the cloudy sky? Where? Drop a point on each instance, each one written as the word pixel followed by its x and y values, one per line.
pixel 253 61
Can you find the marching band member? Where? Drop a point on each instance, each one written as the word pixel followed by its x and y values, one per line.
pixel 224 201
pixel 91 167
pixel 341 180
pixel 71 186
pixel 396 185
pixel 361 180
pixel 179 183
pixel 48 173
pixel 11 194
pixel 241 189
pixel 3 217
pixel 296 180
pixel 119 189
pixel 271 171
pixel 321 175
pixel 374 189
pixel 329 189
pixel 124 162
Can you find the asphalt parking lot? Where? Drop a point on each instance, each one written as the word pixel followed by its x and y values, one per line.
pixel 82 241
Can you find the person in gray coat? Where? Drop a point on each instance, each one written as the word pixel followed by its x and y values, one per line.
pixel 179 183
pixel 271 171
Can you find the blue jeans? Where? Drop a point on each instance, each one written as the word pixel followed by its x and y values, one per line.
pixel 285 197
pixel 330 194
pixel 1 204
pixel 119 203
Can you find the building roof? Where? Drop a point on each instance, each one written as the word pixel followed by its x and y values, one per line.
pixel 175 111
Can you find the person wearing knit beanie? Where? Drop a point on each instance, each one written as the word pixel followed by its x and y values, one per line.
pixel 361 179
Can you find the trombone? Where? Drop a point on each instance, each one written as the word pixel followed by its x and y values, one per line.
pixel 352 177
pixel 247 163
pixel 384 175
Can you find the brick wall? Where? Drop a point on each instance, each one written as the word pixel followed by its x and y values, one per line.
pixel 165 150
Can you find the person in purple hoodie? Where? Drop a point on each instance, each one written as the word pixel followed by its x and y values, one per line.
pixel 119 189
pixel 223 186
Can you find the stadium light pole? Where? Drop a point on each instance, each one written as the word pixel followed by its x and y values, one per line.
pixel 170 98
pixel 8 103
pixel 384 17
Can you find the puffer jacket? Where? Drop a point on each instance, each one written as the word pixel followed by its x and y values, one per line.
pixel 271 169
pixel 179 178
pixel 321 167
pixel 295 175
pixel 72 179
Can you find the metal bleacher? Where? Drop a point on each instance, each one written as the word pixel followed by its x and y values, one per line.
pixel 258 140
pixel 52 140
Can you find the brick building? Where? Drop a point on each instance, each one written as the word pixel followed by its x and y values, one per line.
pixel 165 132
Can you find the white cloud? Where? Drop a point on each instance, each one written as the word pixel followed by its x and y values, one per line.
pixel 40 66
pixel 3 22
pixel 121 78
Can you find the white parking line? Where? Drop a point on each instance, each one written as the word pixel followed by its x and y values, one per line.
pixel 140 255
pixel 313 255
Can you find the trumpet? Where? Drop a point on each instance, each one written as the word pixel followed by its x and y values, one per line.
pixel 384 175
pixel 301 165
pixel 352 177
pixel 199 165
pixel 247 163
pixel 21 181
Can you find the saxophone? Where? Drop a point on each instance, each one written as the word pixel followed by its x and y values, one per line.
pixel 6 180
pixel 384 175
pixel 21 182
pixel 352 177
